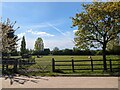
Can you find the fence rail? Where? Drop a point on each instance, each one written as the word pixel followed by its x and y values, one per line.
pixel 15 62
pixel 91 64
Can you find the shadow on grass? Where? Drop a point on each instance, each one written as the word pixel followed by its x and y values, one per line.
pixel 115 72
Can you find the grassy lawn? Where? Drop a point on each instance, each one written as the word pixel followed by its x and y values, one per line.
pixel 43 65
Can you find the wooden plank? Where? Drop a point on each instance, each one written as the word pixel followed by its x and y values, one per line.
pixel 97 64
pixel 78 64
pixel 82 64
pixel 53 65
pixel 63 65
pixel 83 60
pixel 84 69
pixel 73 65
pixel 90 69
pixel 63 61
pixel 110 65
pixel 98 68
pixel 91 64
pixel 65 69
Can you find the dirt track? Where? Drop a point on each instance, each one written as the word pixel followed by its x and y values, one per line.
pixel 62 82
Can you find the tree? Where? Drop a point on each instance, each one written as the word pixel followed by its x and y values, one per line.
pixel 55 49
pixel 97 25
pixel 67 51
pixel 23 46
pixel 39 45
pixel 8 38
pixel 46 51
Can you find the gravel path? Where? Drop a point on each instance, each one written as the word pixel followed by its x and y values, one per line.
pixel 61 82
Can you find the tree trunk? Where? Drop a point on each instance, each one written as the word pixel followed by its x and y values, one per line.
pixel 104 57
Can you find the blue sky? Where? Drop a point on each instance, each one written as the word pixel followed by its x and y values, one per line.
pixel 48 20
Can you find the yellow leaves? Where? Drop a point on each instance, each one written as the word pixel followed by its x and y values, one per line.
pixel 101 19
pixel 116 20
pixel 112 7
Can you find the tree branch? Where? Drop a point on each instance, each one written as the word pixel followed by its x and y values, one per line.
pixel 95 25
pixel 110 36
pixel 92 38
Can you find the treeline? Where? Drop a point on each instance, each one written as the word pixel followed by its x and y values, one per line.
pixel 68 52
pixel 84 52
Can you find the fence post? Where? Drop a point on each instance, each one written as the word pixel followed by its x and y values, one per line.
pixel 20 63
pixel 110 65
pixel 73 65
pixel 91 64
pixel 3 67
pixel 15 65
pixel 53 65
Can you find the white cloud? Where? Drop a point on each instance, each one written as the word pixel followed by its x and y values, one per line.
pixel 39 33
pixel 75 31
pixel 64 40
pixel 62 44
pixel 21 35
pixel 50 42
pixel 30 42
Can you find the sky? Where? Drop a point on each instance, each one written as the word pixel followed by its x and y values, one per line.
pixel 49 20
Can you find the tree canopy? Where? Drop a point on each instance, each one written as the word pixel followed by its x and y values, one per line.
pixel 9 39
pixel 23 46
pixel 39 45
pixel 97 25
pixel 55 49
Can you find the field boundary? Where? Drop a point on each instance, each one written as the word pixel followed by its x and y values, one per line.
pixel 91 64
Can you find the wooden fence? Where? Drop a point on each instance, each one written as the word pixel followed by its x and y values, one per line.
pixel 15 62
pixel 10 61
pixel 91 64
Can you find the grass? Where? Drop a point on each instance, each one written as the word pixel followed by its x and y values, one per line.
pixel 43 66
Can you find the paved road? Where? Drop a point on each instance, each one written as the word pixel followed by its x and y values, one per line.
pixel 61 82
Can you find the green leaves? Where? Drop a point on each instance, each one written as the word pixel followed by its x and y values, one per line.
pixel 23 46
pixel 39 45
pixel 98 23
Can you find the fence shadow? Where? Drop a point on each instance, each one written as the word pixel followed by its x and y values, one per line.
pixel 23 79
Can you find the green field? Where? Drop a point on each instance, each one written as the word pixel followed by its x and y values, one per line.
pixel 43 65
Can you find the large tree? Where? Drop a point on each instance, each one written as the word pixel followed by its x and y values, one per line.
pixel 23 46
pixel 8 38
pixel 39 45
pixel 97 25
